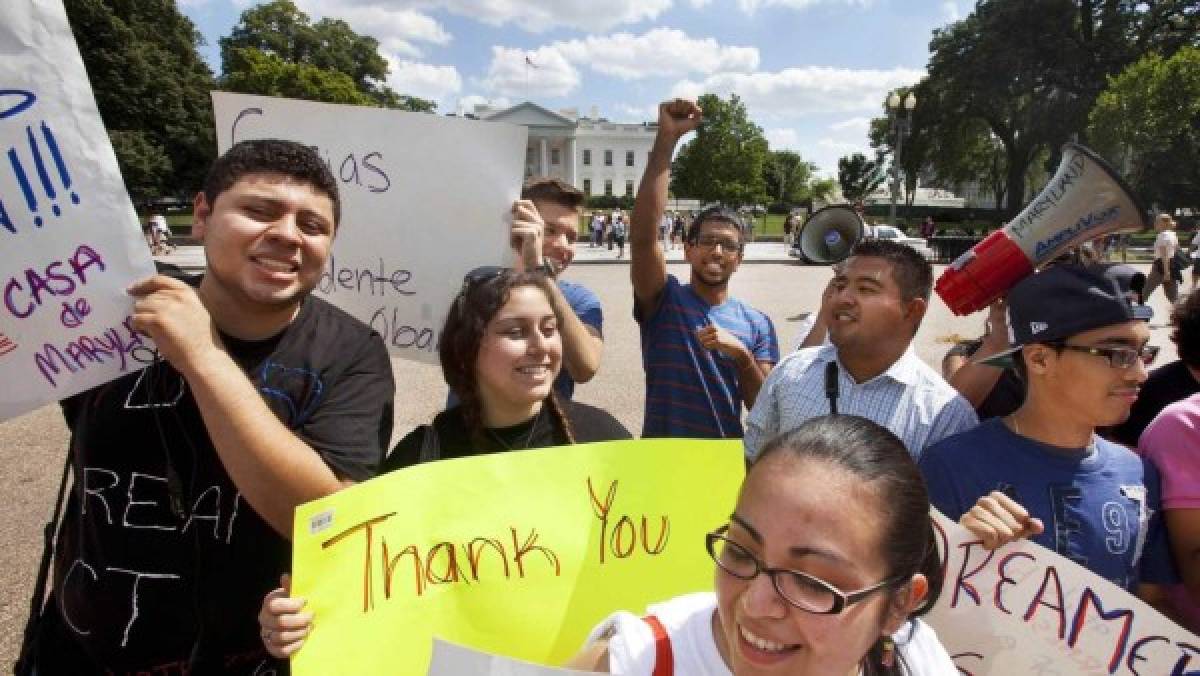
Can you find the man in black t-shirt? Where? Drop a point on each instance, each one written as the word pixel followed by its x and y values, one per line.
pixel 187 473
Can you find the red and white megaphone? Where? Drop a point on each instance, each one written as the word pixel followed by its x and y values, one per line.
pixel 1086 199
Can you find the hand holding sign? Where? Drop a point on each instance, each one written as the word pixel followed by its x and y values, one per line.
pixel 528 229
pixel 998 520
pixel 171 313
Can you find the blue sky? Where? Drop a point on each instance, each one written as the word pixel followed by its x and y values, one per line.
pixel 812 72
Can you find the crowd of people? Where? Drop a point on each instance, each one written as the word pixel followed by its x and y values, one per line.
pixel 187 473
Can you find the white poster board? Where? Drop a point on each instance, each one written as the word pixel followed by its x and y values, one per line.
pixel 1022 609
pixel 71 239
pixel 451 659
pixel 425 198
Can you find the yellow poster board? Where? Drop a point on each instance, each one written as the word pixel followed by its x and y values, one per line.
pixel 518 554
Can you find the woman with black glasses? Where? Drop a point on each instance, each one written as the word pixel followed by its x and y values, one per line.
pixel 828 559
pixel 500 352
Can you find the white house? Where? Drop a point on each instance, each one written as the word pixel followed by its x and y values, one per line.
pixel 591 153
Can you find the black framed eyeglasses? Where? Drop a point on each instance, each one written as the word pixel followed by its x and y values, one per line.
pixel 1118 357
pixel 727 245
pixel 806 592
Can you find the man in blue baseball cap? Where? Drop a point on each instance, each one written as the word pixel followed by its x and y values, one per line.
pixel 1042 472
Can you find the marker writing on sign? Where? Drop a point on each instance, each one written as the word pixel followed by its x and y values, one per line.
pixel 34 164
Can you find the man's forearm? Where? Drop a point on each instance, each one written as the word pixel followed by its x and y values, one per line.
pixel 582 349
pixel 652 193
pixel 272 468
pixel 750 378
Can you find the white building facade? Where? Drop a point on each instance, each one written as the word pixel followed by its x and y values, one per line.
pixel 593 154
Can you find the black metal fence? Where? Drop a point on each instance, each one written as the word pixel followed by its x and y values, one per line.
pixel 947 248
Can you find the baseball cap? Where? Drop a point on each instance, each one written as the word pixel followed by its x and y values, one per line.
pixel 1065 300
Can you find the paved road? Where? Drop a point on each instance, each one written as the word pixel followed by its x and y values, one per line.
pixel 32 446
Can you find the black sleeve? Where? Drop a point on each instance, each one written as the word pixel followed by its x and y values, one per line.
pixel 593 424
pixel 353 424
pixel 406 452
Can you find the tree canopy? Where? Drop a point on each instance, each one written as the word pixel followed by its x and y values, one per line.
pixel 859 176
pixel 1021 76
pixel 1149 119
pixel 152 90
pixel 726 160
pixel 276 50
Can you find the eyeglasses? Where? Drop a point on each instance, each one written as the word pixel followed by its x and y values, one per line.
pixel 808 593
pixel 726 244
pixel 1118 357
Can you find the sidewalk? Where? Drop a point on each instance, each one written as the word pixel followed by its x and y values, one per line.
pixel 191 258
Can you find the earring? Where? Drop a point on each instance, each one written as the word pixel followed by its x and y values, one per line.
pixel 887 656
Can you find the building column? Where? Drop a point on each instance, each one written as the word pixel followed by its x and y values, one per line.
pixel 544 158
pixel 571 170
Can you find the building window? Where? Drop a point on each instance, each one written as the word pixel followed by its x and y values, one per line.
pixel 608 188
pixel 587 187
pixel 587 157
pixel 554 156
pixel 629 188
pixel 608 158
pixel 629 158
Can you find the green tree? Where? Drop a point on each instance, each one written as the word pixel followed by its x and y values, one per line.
pixel 725 161
pixel 1030 71
pixel 276 50
pixel 1149 120
pixel 859 176
pixel 788 177
pixel 152 90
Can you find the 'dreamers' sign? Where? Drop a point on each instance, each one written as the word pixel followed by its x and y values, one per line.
pixel 1023 609
pixel 425 198
pixel 70 237
pixel 518 554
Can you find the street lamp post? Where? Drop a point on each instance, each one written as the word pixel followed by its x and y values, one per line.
pixel 900 115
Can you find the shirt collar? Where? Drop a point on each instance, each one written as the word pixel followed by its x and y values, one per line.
pixel 904 370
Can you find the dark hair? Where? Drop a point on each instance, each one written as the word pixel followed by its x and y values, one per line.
pixel 553 191
pixel 272 156
pixel 466 323
pixel 913 274
pixel 717 214
pixel 1185 318
pixel 876 456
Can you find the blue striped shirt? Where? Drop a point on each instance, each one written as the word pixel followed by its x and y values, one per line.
pixel 909 398
pixel 692 391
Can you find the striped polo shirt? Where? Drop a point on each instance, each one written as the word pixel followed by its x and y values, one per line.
pixel 691 391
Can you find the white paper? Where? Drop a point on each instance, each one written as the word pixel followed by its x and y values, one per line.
pixel 425 198
pixel 1023 609
pixel 71 239
pixel 450 659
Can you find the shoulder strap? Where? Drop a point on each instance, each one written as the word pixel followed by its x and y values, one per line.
pixel 664 658
pixel 431 446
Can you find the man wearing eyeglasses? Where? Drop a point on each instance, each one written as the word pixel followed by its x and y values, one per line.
pixel 1043 472
pixel 704 352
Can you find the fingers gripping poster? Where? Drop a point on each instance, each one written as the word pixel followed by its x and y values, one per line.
pixel 517 554
pixel 425 198
pixel 71 239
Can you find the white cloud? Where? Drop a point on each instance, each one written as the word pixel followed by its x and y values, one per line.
pixel 424 80
pixel 467 103
pixel 535 17
pixel 812 89
pixel 950 10
pixel 530 74
pixel 782 139
pixel 635 113
pixel 661 52
pixel 751 6
pixel 860 125
pixel 398 29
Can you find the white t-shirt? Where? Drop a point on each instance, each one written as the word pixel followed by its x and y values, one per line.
pixel 688 622
pixel 1165 245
